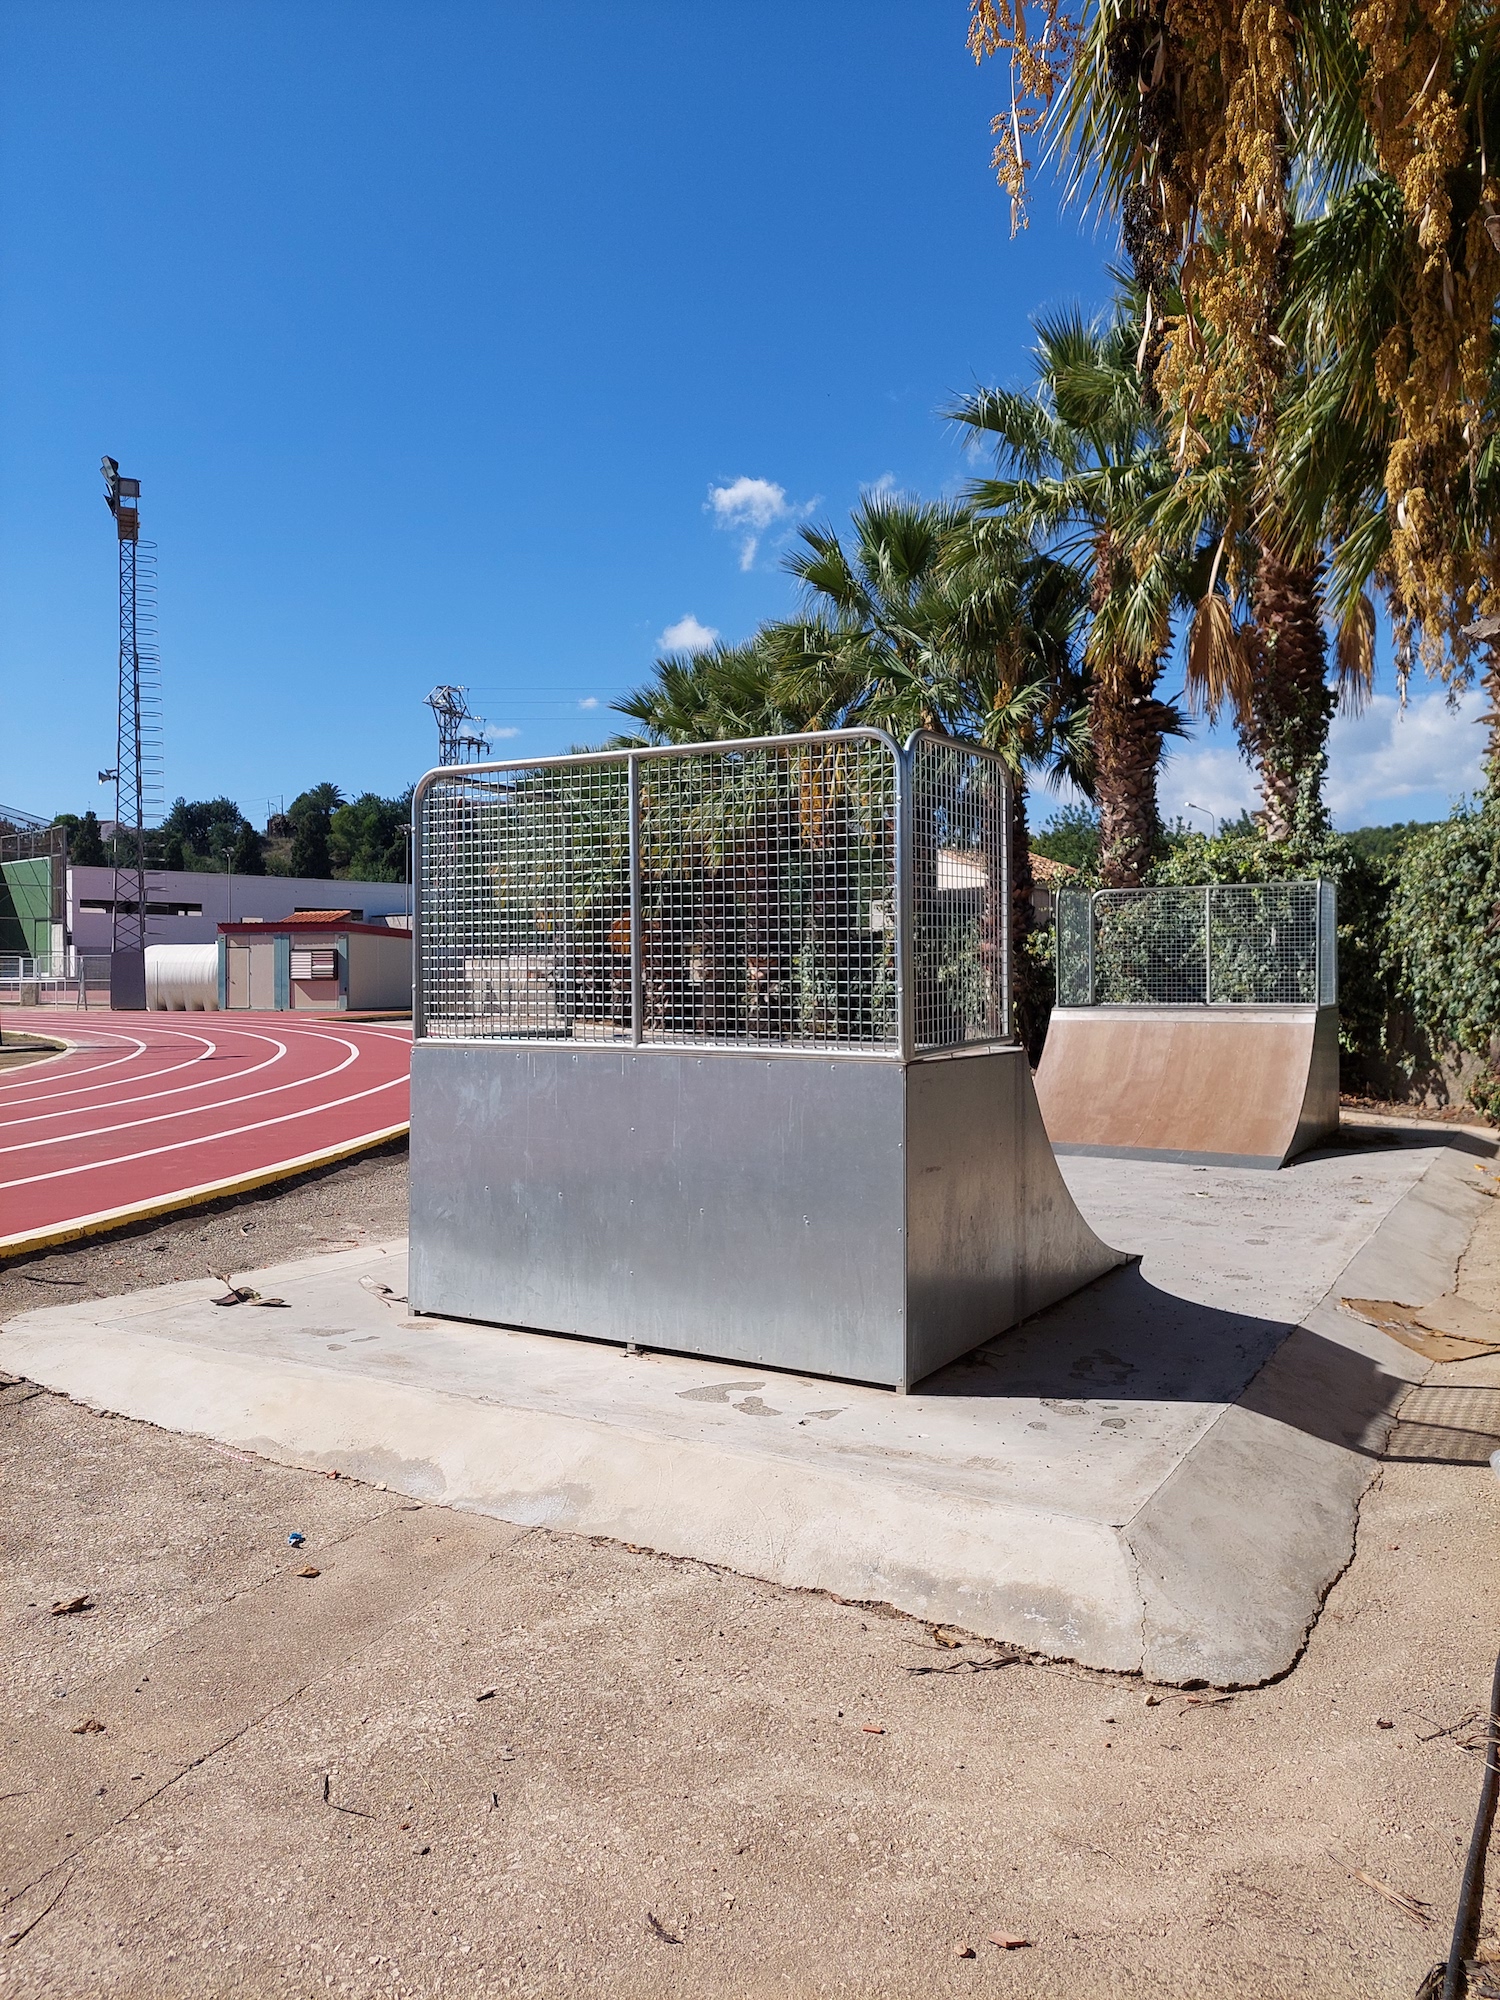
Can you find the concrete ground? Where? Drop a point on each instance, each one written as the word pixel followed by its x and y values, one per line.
pixel 468 1758
pixel 1150 1476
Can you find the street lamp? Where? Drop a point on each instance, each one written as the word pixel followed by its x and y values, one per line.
pixel 225 844
pixel 1204 809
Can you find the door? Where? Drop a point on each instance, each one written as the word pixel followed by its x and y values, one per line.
pixel 237 983
pixel 263 976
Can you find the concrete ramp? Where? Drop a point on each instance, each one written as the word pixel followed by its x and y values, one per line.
pixel 1228 1086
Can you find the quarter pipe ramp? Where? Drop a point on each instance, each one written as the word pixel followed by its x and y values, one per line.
pixel 1228 1086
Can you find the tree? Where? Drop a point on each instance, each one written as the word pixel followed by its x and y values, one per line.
pixel 1199 125
pixel 1194 120
pixel 196 833
pixel 85 843
pixel 1079 457
pixel 1349 276
pixel 367 837
pixel 925 620
pixel 249 853
pixel 1071 836
pixel 311 813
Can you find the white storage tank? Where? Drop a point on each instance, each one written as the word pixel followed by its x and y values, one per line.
pixel 182 978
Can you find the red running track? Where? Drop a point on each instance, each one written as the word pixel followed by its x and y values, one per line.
pixel 149 1112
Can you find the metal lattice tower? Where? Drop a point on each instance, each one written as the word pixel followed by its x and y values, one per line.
pixel 137 772
pixel 461 737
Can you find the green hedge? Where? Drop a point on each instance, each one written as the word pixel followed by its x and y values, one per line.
pixel 1363 888
pixel 1419 932
pixel 1442 943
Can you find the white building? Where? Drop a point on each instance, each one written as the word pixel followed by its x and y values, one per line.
pixel 188 908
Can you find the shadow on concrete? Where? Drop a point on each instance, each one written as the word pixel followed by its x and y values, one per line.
pixel 1122 1340
pixel 1365 1139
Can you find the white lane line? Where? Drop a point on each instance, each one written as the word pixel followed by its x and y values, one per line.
pixel 199 1111
pixel 171 1203
pixel 142 1050
pixel 278 1050
pixel 137 1048
pixel 208 1138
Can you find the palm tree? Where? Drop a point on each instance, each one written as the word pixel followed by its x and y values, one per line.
pixel 925 619
pixel 1079 457
pixel 1338 436
pixel 1204 132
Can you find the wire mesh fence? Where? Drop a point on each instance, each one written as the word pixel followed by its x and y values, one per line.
pixel 821 892
pixel 1256 944
pixel 960 903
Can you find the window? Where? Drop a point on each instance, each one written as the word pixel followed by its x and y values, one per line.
pixel 315 962
pixel 128 909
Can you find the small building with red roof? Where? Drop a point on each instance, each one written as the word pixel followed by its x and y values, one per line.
pixel 315 962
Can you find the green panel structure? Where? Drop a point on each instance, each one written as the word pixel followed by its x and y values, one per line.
pixel 26 906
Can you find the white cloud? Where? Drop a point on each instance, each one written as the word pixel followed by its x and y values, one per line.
pixel 495 734
pixel 755 503
pixel 1389 763
pixel 884 485
pixel 750 506
pixel 687 636
pixel 1211 776
pixel 589 701
pixel 1388 756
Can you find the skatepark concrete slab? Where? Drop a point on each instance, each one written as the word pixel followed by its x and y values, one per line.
pixel 1160 1474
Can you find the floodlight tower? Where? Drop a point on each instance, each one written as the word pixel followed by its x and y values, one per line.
pixel 461 737
pixel 138 724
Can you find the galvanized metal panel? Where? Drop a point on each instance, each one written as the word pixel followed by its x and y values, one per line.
pixel 750 1208
pixel 870 1220
pixel 992 1231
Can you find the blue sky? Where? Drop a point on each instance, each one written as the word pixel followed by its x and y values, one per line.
pixel 432 331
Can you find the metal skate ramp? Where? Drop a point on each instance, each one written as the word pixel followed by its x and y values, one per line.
pixel 1194 1023
pixel 1231 1086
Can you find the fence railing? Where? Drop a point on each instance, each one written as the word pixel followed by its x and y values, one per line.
pixel 832 891
pixel 1253 944
pixel 16 965
pixel 60 979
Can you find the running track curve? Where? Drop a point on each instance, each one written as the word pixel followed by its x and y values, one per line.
pixel 150 1112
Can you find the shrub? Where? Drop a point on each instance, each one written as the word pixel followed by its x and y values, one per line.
pixel 1442 955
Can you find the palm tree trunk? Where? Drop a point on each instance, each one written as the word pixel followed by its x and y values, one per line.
pixel 1285 734
pixel 1125 722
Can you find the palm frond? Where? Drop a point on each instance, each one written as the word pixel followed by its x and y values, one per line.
pixel 1219 659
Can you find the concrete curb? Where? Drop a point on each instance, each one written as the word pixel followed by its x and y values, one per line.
pixel 1236 1550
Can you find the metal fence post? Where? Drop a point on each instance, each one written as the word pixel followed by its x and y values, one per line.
pixel 418 853
pixel 1093 894
pixel 903 901
pixel 633 796
pixel 1208 947
pixel 1007 910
